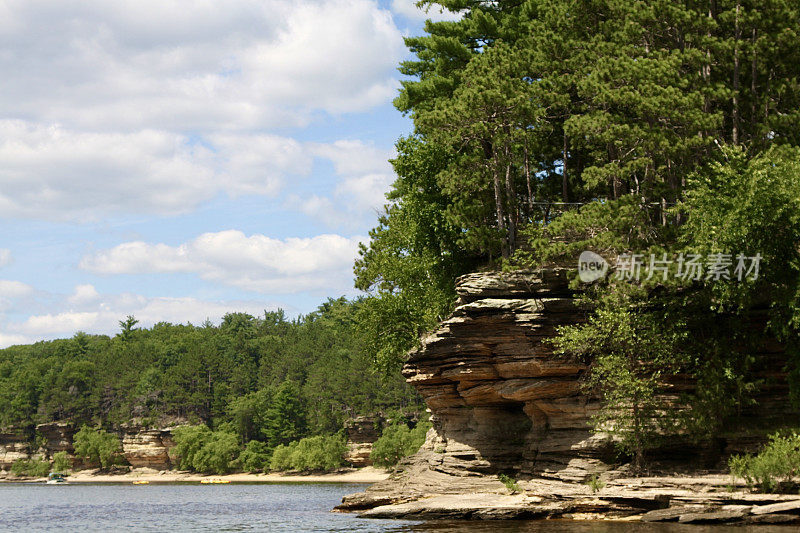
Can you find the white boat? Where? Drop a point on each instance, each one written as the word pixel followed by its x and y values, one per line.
pixel 56 478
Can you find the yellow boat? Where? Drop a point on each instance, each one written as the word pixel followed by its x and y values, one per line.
pixel 141 482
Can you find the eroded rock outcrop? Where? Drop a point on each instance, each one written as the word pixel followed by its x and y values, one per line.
pixel 502 401
pixel 13 447
pixel 499 397
pixel 148 448
pixel 58 437
pixel 362 432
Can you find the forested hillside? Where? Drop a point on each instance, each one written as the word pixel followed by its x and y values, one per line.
pixel 270 378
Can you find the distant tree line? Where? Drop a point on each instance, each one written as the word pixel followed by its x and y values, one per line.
pixel 270 379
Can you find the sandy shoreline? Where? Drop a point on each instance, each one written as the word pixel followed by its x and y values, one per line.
pixel 360 475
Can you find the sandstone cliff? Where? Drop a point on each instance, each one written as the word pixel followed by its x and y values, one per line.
pixel 502 402
pixel 362 432
pixel 500 399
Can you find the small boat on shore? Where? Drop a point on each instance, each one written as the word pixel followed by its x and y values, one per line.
pixel 56 478
pixel 214 481
pixel 141 482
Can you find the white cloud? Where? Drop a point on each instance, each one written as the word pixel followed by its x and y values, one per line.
pixel 61 322
pixel 52 172
pixel 409 9
pixel 102 316
pixel 5 257
pixel 84 294
pixel 10 339
pixel 365 177
pixel 14 289
pixel 184 65
pixel 255 262
pixel 367 193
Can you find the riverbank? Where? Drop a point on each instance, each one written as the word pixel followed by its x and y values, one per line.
pixel 355 475
pixel 421 493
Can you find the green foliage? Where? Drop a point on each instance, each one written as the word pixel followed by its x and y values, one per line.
pixel 30 467
pixel 631 348
pixel 397 441
pixel 233 372
pixel 218 453
pixel 310 454
pixel 412 259
pixel 201 450
pixel 510 483
pixel 595 483
pixel 61 462
pixel 97 446
pixel 281 459
pixel 189 440
pixel 773 469
pixel 285 418
pixel 255 457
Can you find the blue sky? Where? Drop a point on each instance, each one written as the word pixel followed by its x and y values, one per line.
pixel 179 159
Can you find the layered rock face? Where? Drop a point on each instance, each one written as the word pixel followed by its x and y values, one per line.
pixel 13 446
pixel 362 432
pixel 148 448
pixel 500 399
pixel 58 437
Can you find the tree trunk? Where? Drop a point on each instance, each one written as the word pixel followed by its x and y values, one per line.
pixel 564 188
pixel 736 83
pixel 498 198
pixel 511 197
pixel 526 164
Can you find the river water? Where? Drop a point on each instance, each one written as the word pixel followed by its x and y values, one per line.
pixel 250 507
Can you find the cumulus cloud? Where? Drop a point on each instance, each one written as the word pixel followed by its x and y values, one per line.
pixel 52 172
pixel 365 176
pixel 255 262
pixel 409 9
pixel 103 313
pixel 5 257
pixel 193 66
pixel 14 289
pixel 11 292
pixel 84 294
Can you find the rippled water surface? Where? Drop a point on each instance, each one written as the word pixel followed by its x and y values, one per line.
pixel 249 507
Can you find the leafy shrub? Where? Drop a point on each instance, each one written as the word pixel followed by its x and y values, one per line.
pixel 282 457
pixel 97 446
pixel 310 454
pixel 61 462
pixel 398 441
pixel 510 483
pixel 774 468
pixel 202 450
pixel 217 456
pixel 188 441
pixel 595 483
pixel 255 457
pixel 319 453
pixel 30 467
